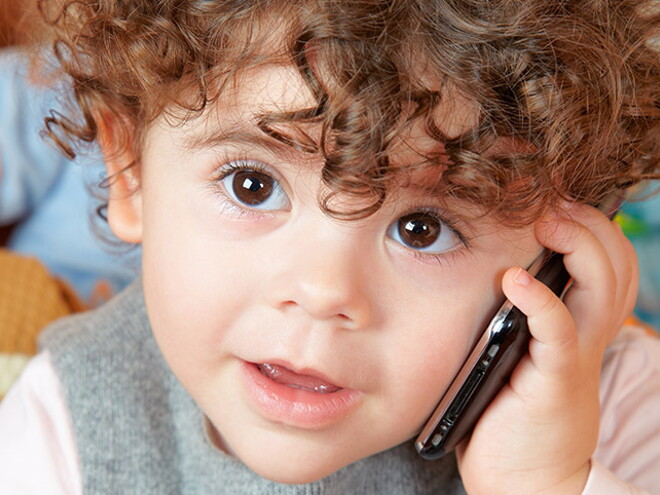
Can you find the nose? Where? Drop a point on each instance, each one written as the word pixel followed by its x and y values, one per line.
pixel 323 274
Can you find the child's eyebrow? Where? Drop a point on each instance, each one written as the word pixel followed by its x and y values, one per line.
pixel 251 135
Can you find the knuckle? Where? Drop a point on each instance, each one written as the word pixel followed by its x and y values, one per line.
pixel 561 235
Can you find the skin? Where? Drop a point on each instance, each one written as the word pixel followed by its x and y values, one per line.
pixel 226 283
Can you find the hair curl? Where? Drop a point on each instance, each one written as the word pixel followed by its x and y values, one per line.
pixel 570 87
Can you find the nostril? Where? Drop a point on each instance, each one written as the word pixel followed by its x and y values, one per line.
pixel 317 312
pixel 288 304
pixel 322 296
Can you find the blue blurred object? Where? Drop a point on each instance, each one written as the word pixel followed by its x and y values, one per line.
pixel 640 221
pixel 49 196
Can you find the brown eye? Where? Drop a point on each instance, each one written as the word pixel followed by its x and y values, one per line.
pixel 252 188
pixel 424 231
pixel 419 230
pixel 258 190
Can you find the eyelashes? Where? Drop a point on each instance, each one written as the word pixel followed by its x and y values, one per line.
pixel 251 186
pixel 251 189
pixel 424 231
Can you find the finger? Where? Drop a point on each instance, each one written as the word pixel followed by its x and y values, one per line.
pixel 594 299
pixel 620 252
pixel 625 264
pixel 554 347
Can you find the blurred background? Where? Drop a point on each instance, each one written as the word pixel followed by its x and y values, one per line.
pixel 15 19
pixel 10 34
pixel 56 254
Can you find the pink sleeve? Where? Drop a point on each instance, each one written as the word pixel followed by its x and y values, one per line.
pixel 602 481
pixel 627 459
pixel 37 452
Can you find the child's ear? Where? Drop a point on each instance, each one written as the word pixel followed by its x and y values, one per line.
pixel 124 198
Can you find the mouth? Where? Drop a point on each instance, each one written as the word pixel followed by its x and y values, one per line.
pixel 300 398
pixel 285 376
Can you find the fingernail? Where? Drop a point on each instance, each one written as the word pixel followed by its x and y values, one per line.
pixel 522 277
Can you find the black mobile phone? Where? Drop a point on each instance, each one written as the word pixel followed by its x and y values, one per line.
pixel 492 360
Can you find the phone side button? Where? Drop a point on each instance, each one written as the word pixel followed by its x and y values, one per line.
pixel 442 431
pixel 487 357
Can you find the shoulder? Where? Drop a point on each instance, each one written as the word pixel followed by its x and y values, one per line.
pixel 107 361
pixel 119 324
pixel 102 354
pixel 112 374
pixel 38 452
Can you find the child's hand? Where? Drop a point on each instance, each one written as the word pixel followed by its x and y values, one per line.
pixel 538 435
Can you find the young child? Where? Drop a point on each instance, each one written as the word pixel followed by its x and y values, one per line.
pixel 332 199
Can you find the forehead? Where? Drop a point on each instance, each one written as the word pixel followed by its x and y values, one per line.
pixel 258 91
pixel 235 117
pixel 278 88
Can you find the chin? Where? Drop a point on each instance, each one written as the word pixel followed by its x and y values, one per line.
pixel 294 472
pixel 298 477
pixel 294 465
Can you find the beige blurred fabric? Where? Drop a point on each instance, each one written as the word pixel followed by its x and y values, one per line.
pixel 30 298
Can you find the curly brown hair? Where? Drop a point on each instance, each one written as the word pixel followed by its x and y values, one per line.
pixel 566 92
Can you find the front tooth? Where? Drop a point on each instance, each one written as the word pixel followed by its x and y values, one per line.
pixel 270 370
pixel 292 379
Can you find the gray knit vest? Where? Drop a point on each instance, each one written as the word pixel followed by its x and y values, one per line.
pixel 139 432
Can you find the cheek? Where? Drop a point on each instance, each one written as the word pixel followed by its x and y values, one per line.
pixel 186 276
pixel 422 362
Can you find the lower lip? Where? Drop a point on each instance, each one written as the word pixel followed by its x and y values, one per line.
pixel 293 406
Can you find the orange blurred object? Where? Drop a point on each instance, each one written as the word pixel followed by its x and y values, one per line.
pixel 15 18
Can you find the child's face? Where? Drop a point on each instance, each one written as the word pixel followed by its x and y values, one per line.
pixel 246 278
